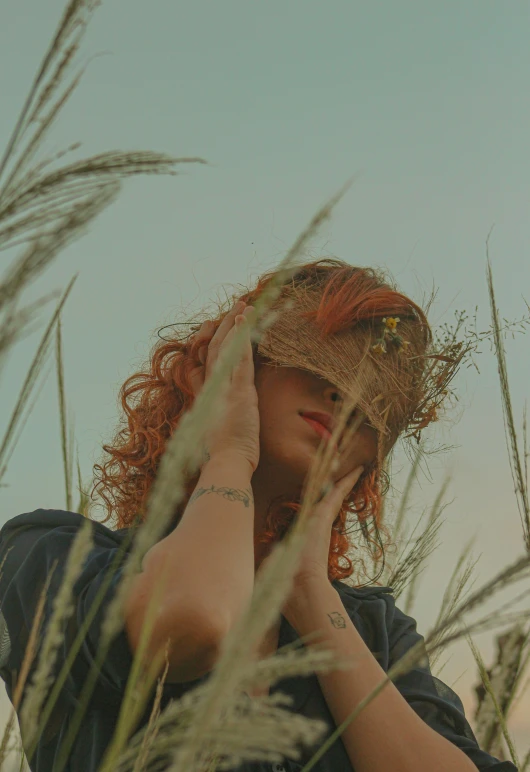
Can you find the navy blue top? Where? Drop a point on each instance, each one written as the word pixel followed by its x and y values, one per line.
pixel 41 537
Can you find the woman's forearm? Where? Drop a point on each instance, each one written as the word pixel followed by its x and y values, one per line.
pixel 210 553
pixel 387 734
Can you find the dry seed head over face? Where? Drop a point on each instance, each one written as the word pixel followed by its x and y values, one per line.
pixel 388 388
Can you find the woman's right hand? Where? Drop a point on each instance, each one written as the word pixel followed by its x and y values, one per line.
pixel 237 430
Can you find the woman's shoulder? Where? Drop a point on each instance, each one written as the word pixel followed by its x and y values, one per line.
pixel 374 612
pixel 47 519
pixel 362 591
pixel 368 596
pixel 378 603
pixel 35 550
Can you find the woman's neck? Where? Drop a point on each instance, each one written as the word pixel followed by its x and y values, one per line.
pixel 268 485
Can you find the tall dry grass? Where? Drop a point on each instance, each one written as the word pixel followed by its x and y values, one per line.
pixel 44 206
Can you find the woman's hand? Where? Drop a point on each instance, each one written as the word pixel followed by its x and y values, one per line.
pixel 313 564
pixel 237 430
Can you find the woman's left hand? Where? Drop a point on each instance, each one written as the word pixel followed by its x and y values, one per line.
pixel 313 564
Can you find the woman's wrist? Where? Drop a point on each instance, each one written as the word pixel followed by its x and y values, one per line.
pixel 227 457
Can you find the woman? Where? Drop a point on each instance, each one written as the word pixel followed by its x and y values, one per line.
pixel 346 333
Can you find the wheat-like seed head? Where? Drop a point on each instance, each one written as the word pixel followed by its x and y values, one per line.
pixel 63 608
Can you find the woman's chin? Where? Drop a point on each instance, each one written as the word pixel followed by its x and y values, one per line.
pixel 289 464
pixel 296 468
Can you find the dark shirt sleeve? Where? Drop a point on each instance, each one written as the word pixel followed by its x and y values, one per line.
pixel 435 702
pixel 30 545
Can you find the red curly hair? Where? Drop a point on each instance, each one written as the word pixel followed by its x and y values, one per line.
pixel 155 399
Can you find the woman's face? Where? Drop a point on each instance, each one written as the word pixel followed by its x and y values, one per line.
pixel 289 442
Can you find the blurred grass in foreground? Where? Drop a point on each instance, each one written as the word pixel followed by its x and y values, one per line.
pixel 44 207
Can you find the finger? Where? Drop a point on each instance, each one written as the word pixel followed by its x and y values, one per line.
pixel 202 339
pixel 244 370
pixel 220 334
pixel 196 378
pixel 228 322
pixel 335 493
pixel 346 483
pixel 204 332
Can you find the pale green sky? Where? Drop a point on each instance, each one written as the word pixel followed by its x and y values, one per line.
pixel 426 102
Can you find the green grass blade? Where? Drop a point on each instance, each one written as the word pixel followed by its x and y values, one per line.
pixel 436 510
pixel 72 18
pixel 29 383
pixel 488 686
pixel 62 415
pixel 405 496
pixel 516 464
pixel 83 494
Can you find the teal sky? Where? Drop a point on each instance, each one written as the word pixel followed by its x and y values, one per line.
pixel 426 103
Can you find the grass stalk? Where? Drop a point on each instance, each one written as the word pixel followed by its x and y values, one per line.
pixel 62 609
pixel 424 549
pixel 454 590
pixel 62 415
pixel 491 693
pixel 76 645
pixel 83 493
pixel 405 496
pixel 423 546
pixel 29 656
pixel 516 464
pixel 29 383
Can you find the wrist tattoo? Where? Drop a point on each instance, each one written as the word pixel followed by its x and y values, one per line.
pixel 232 494
pixel 337 620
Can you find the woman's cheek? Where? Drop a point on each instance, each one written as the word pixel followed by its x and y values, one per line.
pixel 363 451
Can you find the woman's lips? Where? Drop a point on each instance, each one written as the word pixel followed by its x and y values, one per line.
pixel 318 427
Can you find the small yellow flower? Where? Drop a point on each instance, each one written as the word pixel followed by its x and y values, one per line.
pixel 379 347
pixel 391 322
